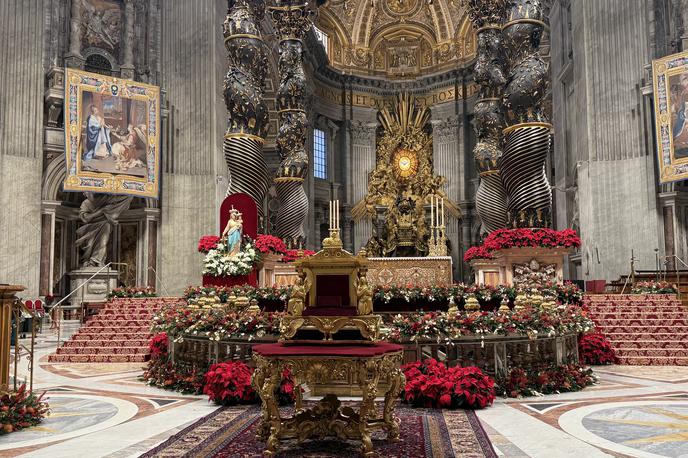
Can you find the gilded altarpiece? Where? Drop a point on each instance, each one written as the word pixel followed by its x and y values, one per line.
pixel 401 186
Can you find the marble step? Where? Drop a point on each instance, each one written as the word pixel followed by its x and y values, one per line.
pixel 636 330
pixel 636 308
pixel 646 336
pixel 83 337
pixel 141 330
pixel 96 323
pixel 650 344
pixel 647 322
pixel 653 360
pixel 103 350
pixel 103 343
pixel 673 314
pixel 650 352
pixel 103 358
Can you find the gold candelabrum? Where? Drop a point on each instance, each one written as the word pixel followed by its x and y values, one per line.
pixel 437 244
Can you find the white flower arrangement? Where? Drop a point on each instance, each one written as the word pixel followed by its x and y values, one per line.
pixel 219 263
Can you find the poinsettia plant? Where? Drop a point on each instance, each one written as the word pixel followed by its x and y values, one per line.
pixel 430 383
pixel 270 244
pixel 207 243
pixel 549 380
pixel 21 409
pixel 229 383
pixel 502 239
pixel 595 349
pixel 654 287
pixel 158 345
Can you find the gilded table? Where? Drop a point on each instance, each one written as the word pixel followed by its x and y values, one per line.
pixel 319 364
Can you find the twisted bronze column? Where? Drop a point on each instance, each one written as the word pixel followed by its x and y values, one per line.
pixel 247 125
pixel 490 199
pixel 528 132
pixel 292 21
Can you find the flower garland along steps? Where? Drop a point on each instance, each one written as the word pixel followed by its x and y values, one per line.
pixel 503 239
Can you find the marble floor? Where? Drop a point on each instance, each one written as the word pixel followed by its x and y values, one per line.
pixel 103 410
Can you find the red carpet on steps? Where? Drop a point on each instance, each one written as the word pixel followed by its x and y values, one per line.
pixel 643 329
pixel 118 333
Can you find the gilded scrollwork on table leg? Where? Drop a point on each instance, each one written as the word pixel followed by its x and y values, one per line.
pixel 368 378
pixel 396 383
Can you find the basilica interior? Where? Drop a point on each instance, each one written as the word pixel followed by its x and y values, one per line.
pixel 404 228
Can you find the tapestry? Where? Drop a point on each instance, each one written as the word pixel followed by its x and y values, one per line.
pixel 112 133
pixel 425 433
pixel 670 79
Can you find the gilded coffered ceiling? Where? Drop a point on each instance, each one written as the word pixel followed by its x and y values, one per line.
pixel 397 38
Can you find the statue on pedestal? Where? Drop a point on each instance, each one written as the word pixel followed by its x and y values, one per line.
pixel 233 232
pixel 99 213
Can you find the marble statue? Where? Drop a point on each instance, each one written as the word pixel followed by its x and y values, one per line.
pixel 99 213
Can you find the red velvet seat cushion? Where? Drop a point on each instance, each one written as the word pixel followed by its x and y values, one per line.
pixel 278 349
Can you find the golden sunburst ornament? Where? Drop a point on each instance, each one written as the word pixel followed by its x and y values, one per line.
pixel 405 163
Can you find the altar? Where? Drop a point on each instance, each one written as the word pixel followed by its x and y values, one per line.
pixel 417 271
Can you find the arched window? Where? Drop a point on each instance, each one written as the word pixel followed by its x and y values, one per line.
pixel 319 154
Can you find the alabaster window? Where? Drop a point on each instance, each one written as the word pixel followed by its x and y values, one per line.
pixel 322 38
pixel 319 154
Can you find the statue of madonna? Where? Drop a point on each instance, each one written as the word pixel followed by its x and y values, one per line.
pixel 233 232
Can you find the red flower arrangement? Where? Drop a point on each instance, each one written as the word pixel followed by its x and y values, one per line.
pixel 431 383
pixel 270 244
pixel 594 348
pixel 20 410
pixel 207 243
pixel 286 393
pixel 502 239
pixel 158 345
pixel 553 379
pixel 293 255
pixel 229 383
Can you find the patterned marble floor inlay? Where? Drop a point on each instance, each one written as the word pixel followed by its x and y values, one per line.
pixel 642 428
pixel 72 415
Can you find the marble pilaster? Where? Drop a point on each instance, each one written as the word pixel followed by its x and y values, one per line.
pixel 127 67
pixel 361 164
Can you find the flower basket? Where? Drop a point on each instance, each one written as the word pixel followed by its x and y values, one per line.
pixel 229 281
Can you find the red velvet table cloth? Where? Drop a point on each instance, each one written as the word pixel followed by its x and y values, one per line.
pixel 352 351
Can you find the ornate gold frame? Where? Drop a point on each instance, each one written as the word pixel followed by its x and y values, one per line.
pixel 670 168
pixel 76 83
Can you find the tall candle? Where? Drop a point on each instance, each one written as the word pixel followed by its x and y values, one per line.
pixel 432 211
pixel 336 215
pixel 442 212
pixel 330 220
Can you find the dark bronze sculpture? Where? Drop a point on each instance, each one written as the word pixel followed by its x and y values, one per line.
pixel 292 21
pixel 527 137
pixel 247 125
pixel 490 199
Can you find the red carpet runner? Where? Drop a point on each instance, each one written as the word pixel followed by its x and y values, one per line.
pixel 643 329
pixel 119 333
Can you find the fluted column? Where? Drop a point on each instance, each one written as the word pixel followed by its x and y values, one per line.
pixel 362 163
pixel 247 125
pixel 127 67
pixel 527 137
pixel 292 21
pixel 74 58
pixel 490 198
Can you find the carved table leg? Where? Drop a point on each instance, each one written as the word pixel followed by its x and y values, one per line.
pixel 266 379
pixel 368 378
pixel 396 383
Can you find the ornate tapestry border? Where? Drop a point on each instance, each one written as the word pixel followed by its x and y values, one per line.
pixel 670 168
pixel 76 83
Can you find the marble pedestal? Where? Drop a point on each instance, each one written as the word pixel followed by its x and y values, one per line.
pixel 509 265
pixel 95 290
